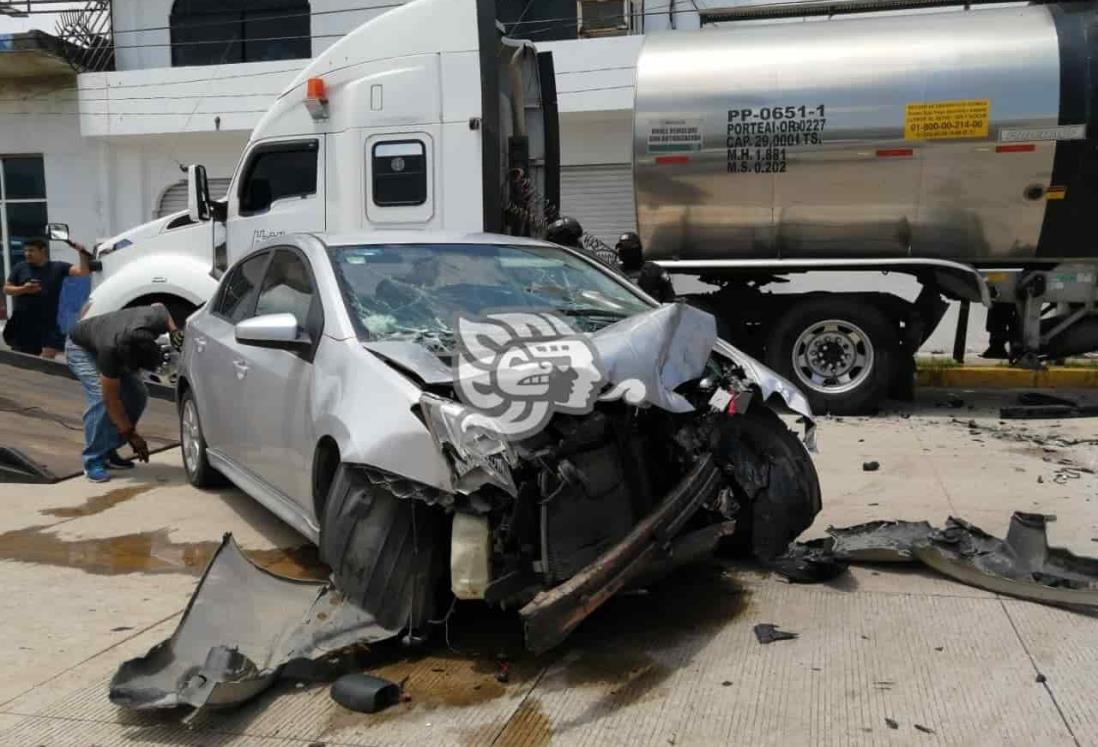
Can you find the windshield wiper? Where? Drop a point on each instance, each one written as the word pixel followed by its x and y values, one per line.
pixel 592 311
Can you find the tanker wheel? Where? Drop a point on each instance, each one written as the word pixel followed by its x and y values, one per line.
pixel 841 352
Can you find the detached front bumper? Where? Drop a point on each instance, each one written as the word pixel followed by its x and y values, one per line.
pixel 553 614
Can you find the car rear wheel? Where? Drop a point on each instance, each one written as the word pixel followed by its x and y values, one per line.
pixel 193 443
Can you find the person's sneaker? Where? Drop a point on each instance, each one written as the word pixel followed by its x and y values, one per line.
pixel 97 473
pixel 117 461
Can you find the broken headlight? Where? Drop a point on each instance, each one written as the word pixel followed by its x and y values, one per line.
pixel 476 456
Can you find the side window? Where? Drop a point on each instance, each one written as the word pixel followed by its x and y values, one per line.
pixel 239 290
pixel 276 173
pixel 287 288
pixel 399 170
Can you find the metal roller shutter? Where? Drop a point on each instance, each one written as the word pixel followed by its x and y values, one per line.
pixel 174 199
pixel 600 198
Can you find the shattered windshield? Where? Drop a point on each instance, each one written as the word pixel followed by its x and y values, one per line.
pixel 414 291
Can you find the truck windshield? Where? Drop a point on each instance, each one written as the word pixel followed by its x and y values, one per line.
pixel 414 291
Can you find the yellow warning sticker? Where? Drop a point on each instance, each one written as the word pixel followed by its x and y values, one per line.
pixel 946 120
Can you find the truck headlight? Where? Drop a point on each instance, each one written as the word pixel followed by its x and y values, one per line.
pixel 476 457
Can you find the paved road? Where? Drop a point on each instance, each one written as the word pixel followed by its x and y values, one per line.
pixel 96 575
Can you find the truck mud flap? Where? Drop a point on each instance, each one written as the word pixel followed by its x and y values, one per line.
pixel 553 614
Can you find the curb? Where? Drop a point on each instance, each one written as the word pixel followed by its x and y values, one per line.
pixel 1005 377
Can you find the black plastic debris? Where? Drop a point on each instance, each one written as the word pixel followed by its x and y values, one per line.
pixel 1023 565
pixel 1041 679
pixel 870 466
pixel 892 723
pixel 808 562
pixel 768 633
pixel 1041 406
pixel 924 729
pixel 364 693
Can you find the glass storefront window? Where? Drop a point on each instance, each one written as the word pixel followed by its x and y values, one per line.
pixel 25 220
pixel 23 212
pixel 24 178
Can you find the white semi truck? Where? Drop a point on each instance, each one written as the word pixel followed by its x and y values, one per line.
pixel 425 118
pixel 953 146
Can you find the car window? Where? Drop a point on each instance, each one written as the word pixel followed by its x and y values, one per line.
pixel 239 290
pixel 275 174
pixel 287 288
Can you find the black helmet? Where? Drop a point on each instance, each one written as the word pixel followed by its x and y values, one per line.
pixel 565 231
pixel 629 251
pixel 628 240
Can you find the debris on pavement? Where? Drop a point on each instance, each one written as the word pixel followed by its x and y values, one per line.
pixel 365 693
pixel 870 466
pixel 924 729
pixel 1023 565
pixel 1041 406
pixel 892 723
pixel 768 633
pixel 241 627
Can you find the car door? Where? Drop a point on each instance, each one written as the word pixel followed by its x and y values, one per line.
pixel 280 191
pixel 215 365
pixel 278 383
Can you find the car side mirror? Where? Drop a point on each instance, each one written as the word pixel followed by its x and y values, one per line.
pixel 275 331
pixel 198 194
pixel 58 231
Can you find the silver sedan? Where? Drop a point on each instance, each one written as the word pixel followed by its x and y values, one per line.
pixel 323 380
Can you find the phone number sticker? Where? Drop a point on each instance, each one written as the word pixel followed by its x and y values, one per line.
pixel 947 120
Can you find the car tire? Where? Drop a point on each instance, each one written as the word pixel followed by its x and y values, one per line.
pixel 193 445
pixel 839 351
pixel 773 478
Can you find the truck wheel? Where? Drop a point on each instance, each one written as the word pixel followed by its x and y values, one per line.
pixel 840 352
pixel 193 443
pixel 774 481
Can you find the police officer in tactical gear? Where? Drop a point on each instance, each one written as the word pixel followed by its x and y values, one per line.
pixel 565 231
pixel 651 278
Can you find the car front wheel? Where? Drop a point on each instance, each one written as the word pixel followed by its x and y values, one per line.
pixel 193 443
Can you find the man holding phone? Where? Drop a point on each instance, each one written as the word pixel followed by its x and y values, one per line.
pixel 36 284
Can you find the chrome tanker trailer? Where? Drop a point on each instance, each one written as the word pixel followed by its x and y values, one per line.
pixel 956 146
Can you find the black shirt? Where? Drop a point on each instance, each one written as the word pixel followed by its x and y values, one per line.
pixel 102 336
pixel 42 306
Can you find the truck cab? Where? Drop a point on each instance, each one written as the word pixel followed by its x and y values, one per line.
pixel 424 118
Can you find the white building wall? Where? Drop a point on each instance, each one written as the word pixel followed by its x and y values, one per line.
pixel 141 35
pixel 40 117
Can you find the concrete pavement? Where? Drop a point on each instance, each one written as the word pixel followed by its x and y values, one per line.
pixel 94 575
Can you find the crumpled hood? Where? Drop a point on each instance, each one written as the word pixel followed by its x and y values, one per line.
pixel 661 348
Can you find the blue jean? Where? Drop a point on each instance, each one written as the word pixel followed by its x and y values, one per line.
pixel 100 434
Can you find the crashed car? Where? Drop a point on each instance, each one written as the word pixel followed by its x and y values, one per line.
pixel 485 417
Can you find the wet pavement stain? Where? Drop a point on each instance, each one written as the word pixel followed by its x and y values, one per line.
pixel 145 552
pixel 98 503
pixel 628 650
pixel 529 727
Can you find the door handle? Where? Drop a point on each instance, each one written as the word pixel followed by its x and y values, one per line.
pixel 199 344
pixel 241 368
